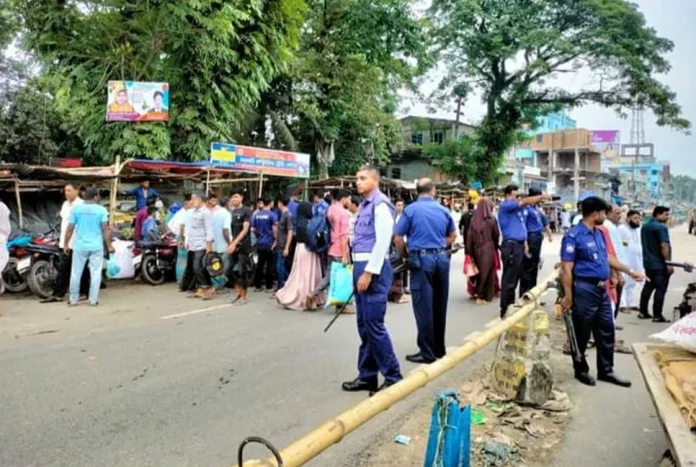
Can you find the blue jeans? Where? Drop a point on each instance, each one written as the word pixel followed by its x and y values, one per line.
pixel 95 258
pixel 281 270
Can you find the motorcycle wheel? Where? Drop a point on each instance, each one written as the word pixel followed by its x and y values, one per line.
pixel 40 278
pixel 151 272
pixel 14 281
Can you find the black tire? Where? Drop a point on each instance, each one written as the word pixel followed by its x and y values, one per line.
pixel 151 273
pixel 41 277
pixel 14 282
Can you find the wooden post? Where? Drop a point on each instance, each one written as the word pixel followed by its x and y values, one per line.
pixel 260 183
pixel 207 182
pixel 114 191
pixel 20 215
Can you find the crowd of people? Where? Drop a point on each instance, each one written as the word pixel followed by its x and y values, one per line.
pixel 395 249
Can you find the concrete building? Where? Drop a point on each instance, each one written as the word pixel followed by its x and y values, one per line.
pixel 407 162
pixel 546 124
pixel 642 181
pixel 567 160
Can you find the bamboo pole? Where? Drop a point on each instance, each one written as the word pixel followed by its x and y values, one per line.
pixel 114 191
pixel 20 215
pixel 307 448
pixel 207 182
pixel 260 183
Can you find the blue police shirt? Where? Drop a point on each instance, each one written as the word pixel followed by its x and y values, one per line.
pixel 534 221
pixel 426 224
pixel 587 250
pixel 263 222
pixel 512 221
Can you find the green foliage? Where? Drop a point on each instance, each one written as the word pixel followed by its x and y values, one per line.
pixel 684 188
pixel 355 55
pixel 457 159
pixel 512 50
pixel 218 57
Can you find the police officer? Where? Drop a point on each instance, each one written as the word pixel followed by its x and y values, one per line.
pixel 513 226
pixel 534 222
pixel 430 230
pixel 585 269
pixel 372 274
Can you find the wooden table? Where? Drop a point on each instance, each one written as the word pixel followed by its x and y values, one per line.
pixel 681 439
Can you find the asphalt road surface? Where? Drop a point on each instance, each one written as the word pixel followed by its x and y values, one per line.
pixel 153 378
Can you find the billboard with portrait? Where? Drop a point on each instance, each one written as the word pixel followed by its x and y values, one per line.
pixel 607 143
pixel 132 101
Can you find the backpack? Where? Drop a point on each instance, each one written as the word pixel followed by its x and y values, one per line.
pixel 318 237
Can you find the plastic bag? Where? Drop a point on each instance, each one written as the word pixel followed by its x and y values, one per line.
pixel 449 442
pixel 340 284
pixel 682 333
pixel 112 267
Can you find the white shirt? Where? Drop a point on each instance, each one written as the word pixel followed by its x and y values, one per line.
pixel 634 248
pixel 577 219
pixel 222 220
pixel 384 228
pixel 65 220
pixel 617 241
pixel 565 219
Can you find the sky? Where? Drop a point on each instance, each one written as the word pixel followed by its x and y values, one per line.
pixel 673 19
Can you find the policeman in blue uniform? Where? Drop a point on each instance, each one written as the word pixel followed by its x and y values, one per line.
pixel 585 269
pixel 534 222
pixel 430 230
pixel 372 274
pixel 513 226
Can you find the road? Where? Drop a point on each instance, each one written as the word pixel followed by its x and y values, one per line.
pixel 153 378
pixel 118 385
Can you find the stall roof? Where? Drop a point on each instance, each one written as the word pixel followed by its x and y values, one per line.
pixel 23 172
pixel 142 168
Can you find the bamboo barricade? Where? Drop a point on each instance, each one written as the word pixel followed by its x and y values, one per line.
pixel 333 431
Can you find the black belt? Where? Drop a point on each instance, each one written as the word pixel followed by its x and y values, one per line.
pixel 427 251
pixel 510 240
pixel 591 280
pixel 536 233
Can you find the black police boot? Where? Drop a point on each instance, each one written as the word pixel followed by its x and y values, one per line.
pixel 585 378
pixel 418 358
pixel 613 378
pixel 384 385
pixel 360 385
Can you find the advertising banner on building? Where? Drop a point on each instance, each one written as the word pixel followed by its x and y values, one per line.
pixel 255 160
pixel 133 101
pixel 607 143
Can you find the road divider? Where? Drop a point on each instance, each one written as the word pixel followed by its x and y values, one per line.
pixel 333 431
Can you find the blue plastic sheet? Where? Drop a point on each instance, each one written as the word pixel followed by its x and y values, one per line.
pixel 450 432
pixel 340 284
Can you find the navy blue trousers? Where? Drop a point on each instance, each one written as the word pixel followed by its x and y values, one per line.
pixel 376 353
pixel 592 315
pixel 429 293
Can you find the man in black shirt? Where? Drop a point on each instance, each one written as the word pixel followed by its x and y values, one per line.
pixel 240 247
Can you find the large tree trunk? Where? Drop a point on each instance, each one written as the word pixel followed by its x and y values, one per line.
pixel 325 156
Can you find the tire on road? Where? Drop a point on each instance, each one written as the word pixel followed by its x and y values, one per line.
pixel 41 277
pixel 14 282
pixel 151 273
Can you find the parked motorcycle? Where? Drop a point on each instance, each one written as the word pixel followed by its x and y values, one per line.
pixel 157 260
pixel 15 282
pixel 45 255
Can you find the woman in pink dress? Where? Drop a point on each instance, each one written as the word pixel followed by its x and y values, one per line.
pixel 305 274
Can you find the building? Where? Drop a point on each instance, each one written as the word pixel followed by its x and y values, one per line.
pixel 408 162
pixel 566 158
pixel 642 181
pixel 545 124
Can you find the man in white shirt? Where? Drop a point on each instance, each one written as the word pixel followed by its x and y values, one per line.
pixel 614 217
pixel 60 286
pixel 630 235
pixel 4 235
pixel 178 225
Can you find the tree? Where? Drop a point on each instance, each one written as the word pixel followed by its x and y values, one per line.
pixel 355 55
pixel 513 50
pixel 455 158
pixel 684 188
pixel 218 57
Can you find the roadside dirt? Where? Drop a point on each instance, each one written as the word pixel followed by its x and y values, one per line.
pixel 511 435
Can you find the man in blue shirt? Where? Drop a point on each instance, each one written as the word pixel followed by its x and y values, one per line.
pixel 513 227
pixel 534 223
pixel 149 229
pixel 657 250
pixel 90 223
pixel 265 226
pixel 142 194
pixel 585 270
pixel 430 230
pixel 320 205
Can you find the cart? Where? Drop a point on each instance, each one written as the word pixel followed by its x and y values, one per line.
pixel 682 441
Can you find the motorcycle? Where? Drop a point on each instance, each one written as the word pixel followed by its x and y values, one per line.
pixel 157 260
pixel 14 280
pixel 44 254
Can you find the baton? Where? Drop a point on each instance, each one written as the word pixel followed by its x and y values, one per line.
pixel 398 269
pixel 688 267
pixel 572 338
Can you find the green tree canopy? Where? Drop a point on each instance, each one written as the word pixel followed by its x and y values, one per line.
pixel 217 56
pixel 513 50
